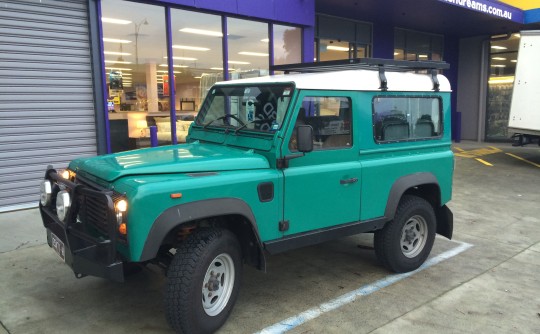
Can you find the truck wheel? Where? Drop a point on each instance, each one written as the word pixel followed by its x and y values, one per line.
pixel 203 281
pixel 405 243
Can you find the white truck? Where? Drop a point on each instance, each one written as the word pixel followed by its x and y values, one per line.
pixel 524 120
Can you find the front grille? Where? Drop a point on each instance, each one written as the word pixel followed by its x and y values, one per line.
pixel 94 210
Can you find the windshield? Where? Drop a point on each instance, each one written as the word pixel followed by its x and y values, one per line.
pixel 256 108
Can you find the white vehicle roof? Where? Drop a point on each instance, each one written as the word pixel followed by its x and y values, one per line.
pixel 357 80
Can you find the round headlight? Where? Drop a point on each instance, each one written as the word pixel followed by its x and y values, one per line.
pixel 121 205
pixel 63 203
pixel 45 193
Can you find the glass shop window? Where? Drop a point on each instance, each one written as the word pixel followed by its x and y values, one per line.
pixel 248 45
pixel 414 45
pixel 134 41
pixel 339 38
pixel 287 44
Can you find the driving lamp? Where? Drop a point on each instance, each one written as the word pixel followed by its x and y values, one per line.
pixel 45 192
pixel 63 202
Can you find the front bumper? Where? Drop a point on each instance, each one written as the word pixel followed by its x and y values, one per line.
pixel 86 250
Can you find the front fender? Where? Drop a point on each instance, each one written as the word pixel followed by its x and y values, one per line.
pixel 183 213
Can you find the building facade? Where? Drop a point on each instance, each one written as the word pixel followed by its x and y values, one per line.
pixel 87 77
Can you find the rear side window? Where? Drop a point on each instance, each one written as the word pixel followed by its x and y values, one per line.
pixel 399 118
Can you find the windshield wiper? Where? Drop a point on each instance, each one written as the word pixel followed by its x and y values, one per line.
pixel 223 117
pixel 255 121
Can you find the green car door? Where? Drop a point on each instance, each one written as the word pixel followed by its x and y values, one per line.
pixel 322 188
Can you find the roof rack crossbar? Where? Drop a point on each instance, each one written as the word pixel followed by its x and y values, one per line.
pixel 371 64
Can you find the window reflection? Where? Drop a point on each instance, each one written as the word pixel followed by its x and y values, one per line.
pixel 134 48
pixel 414 45
pixel 339 38
pixel 248 48
pixel 198 59
pixel 287 45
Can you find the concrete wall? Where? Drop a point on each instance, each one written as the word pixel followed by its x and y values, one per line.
pixel 472 85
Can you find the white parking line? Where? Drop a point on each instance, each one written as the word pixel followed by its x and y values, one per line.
pixel 297 320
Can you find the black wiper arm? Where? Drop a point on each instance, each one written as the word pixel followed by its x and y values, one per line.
pixel 262 120
pixel 223 117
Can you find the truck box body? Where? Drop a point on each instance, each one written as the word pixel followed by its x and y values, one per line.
pixel 524 120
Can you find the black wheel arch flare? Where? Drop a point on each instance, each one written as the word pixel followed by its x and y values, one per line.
pixel 188 212
pixel 418 184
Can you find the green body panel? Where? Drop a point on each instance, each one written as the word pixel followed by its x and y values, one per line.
pixel 309 193
pixel 170 159
pixel 149 196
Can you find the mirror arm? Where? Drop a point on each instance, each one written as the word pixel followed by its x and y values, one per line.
pixel 284 162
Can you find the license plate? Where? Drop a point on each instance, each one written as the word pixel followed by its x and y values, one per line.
pixel 58 246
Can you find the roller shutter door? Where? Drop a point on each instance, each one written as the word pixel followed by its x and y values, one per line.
pixel 46 94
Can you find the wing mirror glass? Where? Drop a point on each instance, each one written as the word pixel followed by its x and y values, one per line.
pixel 304 135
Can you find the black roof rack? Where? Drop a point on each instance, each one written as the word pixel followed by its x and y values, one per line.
pixel 371 64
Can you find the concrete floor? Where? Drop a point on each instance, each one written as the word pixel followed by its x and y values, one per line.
pixel 492 287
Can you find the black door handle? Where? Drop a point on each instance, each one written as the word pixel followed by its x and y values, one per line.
pixel 349 181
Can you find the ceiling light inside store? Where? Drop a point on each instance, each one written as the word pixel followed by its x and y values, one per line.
pixel 422 56
pixel 514 60
pixel 118 69
pixel 114 53
pixel 517 35
pixel 498 47
pixel 160 71
pixel 498 58
pixel 197 77
pixel 265 40
pixel 499 80
pixel 498 65
pixel 182 58
pixel 337 48
pixel 117 62
pixel 396 53
pixel 192 48
pixel 115 21
pixel 202 32
pixel 114 40
pixel 238 62
pixel 256 54
pixel 181 66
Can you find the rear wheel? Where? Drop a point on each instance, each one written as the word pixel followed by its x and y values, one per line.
pixel 405 243
pixel 203 281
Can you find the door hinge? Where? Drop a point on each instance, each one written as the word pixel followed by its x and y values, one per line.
pixel 283 225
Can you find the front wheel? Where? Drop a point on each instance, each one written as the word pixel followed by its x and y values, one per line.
pixel 203 281
pixel 405 243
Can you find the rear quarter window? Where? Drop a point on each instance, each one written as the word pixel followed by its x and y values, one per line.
pixel 406 118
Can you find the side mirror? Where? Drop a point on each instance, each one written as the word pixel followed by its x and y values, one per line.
pixel 304 137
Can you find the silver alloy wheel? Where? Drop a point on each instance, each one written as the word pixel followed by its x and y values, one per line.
pixel 413 236
pixel 218 284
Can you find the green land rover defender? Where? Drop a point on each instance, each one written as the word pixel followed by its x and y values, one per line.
pixel 324 151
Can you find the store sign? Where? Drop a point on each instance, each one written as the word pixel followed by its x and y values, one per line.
pixel 490 8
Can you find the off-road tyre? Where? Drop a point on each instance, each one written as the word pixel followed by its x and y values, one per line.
pixel 405 242
pixel 204 251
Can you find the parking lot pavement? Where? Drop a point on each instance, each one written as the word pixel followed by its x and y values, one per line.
pixel 492 286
